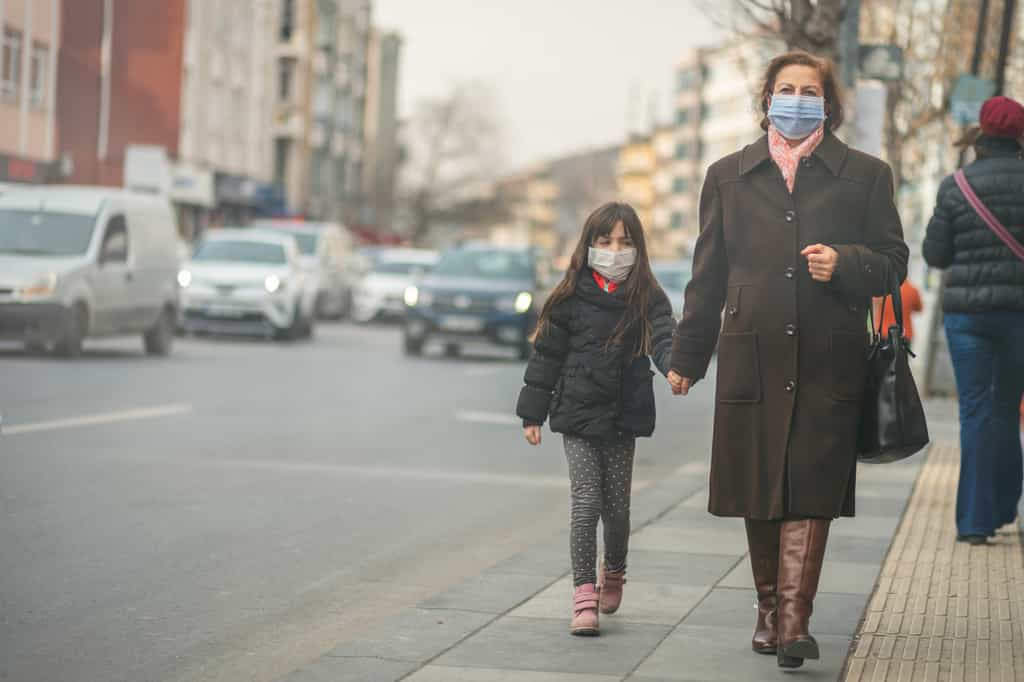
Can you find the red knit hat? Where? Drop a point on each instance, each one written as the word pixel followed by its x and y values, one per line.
pixel 1002 117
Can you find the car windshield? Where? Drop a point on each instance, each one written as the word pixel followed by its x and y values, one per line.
pixel 307 242
pixel 398 268
pixel 240 251
pixel 672 278
pixel 492 264
pixel 35 233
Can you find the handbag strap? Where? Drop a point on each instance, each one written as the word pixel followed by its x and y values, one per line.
pixel 897 309
pixel 986 215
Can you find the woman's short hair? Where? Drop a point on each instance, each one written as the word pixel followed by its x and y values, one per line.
pixel 833 89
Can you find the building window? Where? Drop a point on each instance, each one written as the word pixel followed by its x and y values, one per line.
pixel 679 185
pixel 281 150
pixel 287 20
pixel 682 116
pixel 10 64
pixel 38 74
pixel 285 76
pixel 677 220
pixel 682 150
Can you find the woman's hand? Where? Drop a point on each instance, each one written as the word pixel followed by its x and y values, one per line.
pixel 680 384
pixel 532 434
pixel 821 261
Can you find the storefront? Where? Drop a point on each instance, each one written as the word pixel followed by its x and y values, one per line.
pixel 14 169
pixel 192 192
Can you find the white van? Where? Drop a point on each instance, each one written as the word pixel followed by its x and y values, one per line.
pixel 87 261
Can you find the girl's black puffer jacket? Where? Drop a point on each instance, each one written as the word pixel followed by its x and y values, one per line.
pixel 588 388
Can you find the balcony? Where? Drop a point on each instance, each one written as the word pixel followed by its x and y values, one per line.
pixel 288 122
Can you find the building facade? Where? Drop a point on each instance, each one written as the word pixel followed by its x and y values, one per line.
pixel 381 148
pixel 30 39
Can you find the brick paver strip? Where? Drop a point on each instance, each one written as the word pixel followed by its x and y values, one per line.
pixel 943 610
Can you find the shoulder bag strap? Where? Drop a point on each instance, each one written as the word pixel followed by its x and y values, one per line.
pixel 986 215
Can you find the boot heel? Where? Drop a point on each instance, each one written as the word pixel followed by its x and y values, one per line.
pixel 793 655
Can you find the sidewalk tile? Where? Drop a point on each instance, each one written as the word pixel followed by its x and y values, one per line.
pixel 413 635
pixel 489 592
pixel 327 669
pixel 442 673
pixel 723 654
pixel 548 559
pixel 845 577
pixel 834 614
pixel 643 603
pixel 685 517
pixel 863 526
pixel 691 541
pixel 545 644
pixel 856 549
pixel 677 568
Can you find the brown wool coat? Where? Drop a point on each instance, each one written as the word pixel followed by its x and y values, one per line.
pixel 791 351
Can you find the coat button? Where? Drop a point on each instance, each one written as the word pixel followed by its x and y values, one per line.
pixel 790 386
pixel 790 273
pixel 733 310
pixel 806 162
pixel 867 268
pixel 790 216
pixel 790 330
pixel 853 309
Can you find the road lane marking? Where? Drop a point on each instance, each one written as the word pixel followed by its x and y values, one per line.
pixel 98 419
pixel 501 418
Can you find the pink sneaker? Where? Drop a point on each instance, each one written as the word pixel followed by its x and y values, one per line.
pixel 584 611
pixel 610 587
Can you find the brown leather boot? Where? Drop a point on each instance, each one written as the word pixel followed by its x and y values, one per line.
pixel 801 552
pixel 763 543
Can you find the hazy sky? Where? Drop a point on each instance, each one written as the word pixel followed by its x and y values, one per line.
pixel 567 72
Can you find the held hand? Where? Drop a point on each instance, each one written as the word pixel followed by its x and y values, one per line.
pixel 680 384
pixel 821 261
pixel 532 434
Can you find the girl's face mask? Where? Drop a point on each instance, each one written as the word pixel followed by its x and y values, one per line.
pixel 612 265
pixel 796 116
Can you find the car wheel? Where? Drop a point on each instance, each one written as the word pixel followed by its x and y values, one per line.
pixel 159 339
pixel 525 348
pixel 35 347
pixel 293 331
pixel 69 345
pixel 411 345
pixel 452 350
pixel 320 307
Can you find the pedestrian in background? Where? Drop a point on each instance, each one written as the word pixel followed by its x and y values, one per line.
pixel 590 371
pixel 798 233
pixel 884 308
pixel 984 318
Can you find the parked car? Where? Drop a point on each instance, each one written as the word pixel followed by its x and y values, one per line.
pixel 477 293
pixel 326 253
pixel 673 276
pixel 79 262
pixel 247 281
pixel 380 292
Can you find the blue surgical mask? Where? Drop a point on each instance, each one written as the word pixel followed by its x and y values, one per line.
pixel 796 116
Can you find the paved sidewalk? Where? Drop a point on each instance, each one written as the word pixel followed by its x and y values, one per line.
pixel 688 610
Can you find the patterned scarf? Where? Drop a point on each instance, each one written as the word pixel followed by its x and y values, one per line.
pixel 786 157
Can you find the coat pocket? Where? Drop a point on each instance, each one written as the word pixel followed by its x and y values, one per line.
pixel 848 360
pixel 739 368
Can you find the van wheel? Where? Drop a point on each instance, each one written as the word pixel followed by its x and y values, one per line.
pixel 411 346
pixel 159 339
pixel 69 344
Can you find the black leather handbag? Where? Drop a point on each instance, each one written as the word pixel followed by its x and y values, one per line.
pixel 893 424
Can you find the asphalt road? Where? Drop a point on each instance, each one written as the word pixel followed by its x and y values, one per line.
pixel 239 508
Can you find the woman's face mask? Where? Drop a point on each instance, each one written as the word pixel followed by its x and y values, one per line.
pixel 612 265
pixel 796 116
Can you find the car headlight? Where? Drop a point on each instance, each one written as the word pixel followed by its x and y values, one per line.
pixel 43 286
pixel 184 279
pixel 273 284
pixel 411 296
pixel 524 299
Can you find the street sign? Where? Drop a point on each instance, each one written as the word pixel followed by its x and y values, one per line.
pixel 968 96
pixel 881 62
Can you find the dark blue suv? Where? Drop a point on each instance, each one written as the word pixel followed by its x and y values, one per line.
pixel 476 293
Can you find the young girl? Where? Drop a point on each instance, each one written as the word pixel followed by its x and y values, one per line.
pixel 590 372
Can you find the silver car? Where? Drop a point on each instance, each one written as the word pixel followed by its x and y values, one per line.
pixel 247 281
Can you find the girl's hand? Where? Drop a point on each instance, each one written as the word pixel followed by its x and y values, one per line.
pixel 532 434
pixel 821 261
pixel 680 384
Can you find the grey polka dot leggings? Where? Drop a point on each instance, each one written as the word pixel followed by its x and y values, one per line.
pixel 600 476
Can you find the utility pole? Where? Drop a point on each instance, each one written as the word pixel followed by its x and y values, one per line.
pixel 849 43
pixel 1009 10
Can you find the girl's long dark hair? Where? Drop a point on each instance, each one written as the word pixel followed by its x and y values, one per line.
pixel 637 289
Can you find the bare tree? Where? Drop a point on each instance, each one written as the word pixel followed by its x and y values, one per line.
pixel 453 142
pixel 811 25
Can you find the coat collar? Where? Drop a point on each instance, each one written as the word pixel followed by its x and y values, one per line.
pixel 832 151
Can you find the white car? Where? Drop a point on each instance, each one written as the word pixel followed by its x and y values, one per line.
pixel 78 262
pixel 381 292
pixel 326 252
pixel 247 281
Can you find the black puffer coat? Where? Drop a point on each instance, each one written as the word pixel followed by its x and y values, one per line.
pixel 588 389
pixel 984 275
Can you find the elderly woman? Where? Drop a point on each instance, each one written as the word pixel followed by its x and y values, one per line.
pixel 984 317
pixel 798 232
